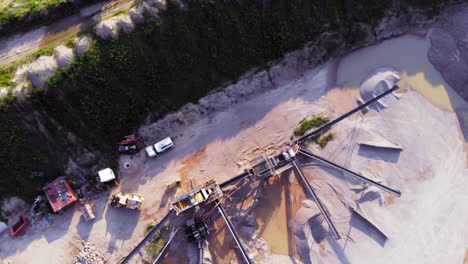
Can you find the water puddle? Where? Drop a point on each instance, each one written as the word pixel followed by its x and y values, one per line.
pixel 408 55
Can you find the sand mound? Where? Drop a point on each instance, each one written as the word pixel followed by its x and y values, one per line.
pixel 63 55
pixel 82 44
pixel 144 10
pixel 125 23
pixel 375 139
pixel 3 92
pixel 159 4
pixel 110 28
pixel 378 82
pixel 40 70
pixel 107 29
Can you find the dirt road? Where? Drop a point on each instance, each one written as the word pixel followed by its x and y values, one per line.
pixel 16 46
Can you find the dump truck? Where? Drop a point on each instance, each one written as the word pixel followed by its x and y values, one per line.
pixel 204 194
pixel 127 200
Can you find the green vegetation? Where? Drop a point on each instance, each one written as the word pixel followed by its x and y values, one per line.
pixel 157 242
pixel 6 73
pixel 309 123
pixel 20 14
pixel 108 92
pixel 323 141
pixel 5 78
pixel 149 227
pixel 22 156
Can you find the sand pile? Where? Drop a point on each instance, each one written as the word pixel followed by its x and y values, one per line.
pixel 3 92
pixel 63 55
pixel 82 44
pixel 89 255
pixel 143 11
pixel 108 29
pixel 38 71
pixel 377 82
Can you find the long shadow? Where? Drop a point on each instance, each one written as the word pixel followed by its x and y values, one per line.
pixel 121 223
pixel 84 228
pixel 168 193
pixel 217 125
pixel 376 153
pixel 61 224
pixel 367 228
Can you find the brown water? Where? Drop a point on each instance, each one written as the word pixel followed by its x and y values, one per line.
pixel 408 55
pixel 275 211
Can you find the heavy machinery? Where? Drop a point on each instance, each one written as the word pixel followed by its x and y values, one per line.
pixel 127 200
pixel 205 194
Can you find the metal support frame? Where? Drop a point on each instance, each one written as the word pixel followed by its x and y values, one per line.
pixel 360 177
pixel 235 235
pixel 319 203
pixel 338 119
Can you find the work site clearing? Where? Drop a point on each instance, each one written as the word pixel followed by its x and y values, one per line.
pixel 403 141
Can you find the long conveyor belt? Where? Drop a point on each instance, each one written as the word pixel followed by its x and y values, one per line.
pixel 326 126
pixel 147 237
pixel 360 177
pixel 235 235
pixel 166 245
pixel 317 200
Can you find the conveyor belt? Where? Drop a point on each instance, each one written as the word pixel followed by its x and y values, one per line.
pixel 234 179
pixel 147 237
pixel 166 245
pixel 317 200
pixel 235 235
pixel 360 177
pixel 200 252
pixel 333 122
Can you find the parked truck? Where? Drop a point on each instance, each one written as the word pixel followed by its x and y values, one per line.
pixel 159 147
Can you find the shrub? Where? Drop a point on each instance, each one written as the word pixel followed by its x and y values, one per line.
pixel 324 140
pixel 308 123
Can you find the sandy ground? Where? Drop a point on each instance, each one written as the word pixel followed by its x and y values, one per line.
pixel 14 47
pixel 426 225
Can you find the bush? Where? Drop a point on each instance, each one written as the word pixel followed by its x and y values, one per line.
pixel 324 140
pixel 308 123
pixel 149 227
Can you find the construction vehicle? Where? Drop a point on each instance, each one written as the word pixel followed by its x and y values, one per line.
pixel 159 147
pixel 127 200
pixel 205 194
pixel 86 210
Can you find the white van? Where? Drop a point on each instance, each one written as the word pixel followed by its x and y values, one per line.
pixel 159 147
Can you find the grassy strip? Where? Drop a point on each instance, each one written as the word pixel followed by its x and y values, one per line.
pixel 157 242
pixel 6 72
pixel 323 141
pixel 23 14
pixel 309 123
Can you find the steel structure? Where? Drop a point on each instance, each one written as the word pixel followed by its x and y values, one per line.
pixel 280 166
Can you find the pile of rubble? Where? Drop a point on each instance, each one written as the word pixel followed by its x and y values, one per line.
pixel 89 255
